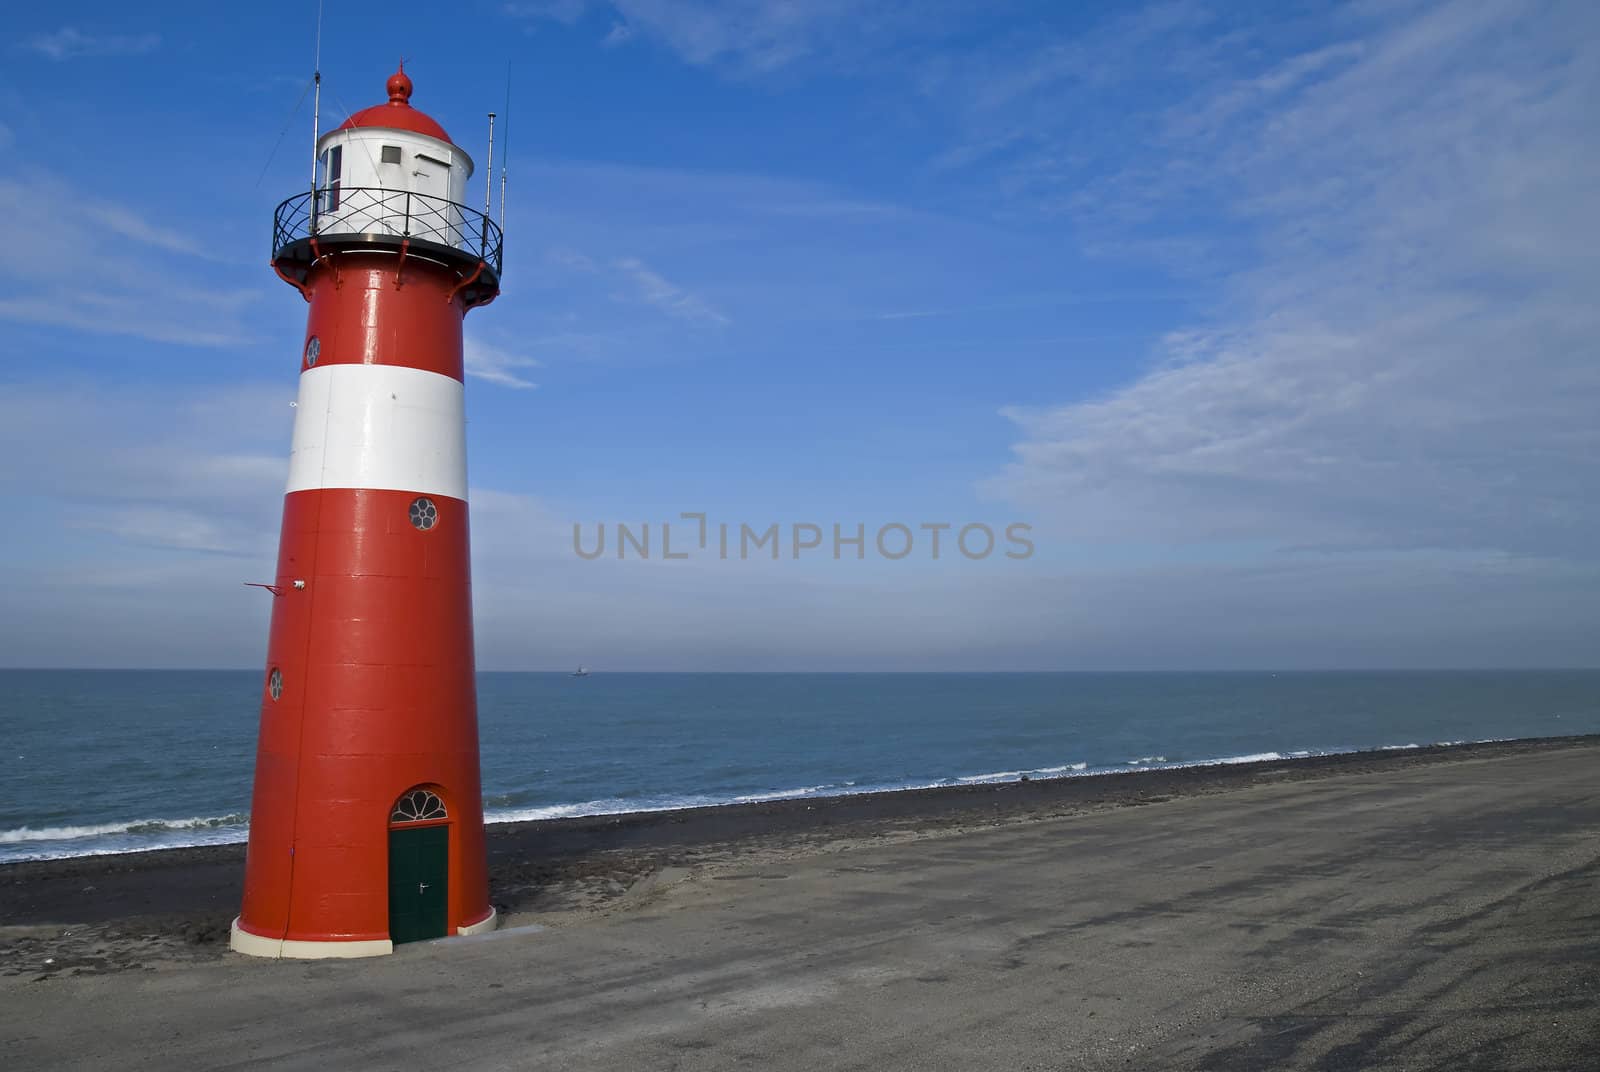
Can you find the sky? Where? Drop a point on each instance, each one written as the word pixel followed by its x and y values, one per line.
pixel 1273 322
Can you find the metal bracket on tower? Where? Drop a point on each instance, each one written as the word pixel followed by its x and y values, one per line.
pixel 465 283
pixel 274 589
pixel 317 257
pixel 405 246
pixel 298 284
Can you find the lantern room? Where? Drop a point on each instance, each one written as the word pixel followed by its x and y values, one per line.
pixel 390 179
pixel 390 147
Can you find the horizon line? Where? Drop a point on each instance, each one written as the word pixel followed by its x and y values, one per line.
pixel 755 673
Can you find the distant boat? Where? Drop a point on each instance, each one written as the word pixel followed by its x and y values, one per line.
pixel 581 671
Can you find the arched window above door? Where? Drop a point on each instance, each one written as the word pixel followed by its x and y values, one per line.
pixel 418 805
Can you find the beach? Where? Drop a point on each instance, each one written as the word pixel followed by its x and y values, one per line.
pixel 1424 908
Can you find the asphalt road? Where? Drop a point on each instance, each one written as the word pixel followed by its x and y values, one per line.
pixel 1437 917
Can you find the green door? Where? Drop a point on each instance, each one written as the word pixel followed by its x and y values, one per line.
pixel 419 875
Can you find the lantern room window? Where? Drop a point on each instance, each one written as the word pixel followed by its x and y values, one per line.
pixel 330 172
pixel 391 154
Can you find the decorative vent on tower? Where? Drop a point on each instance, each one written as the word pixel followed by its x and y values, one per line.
pixel 417 806
pixel 424 515
pixel 275 683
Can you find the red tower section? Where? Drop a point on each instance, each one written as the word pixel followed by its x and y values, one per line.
pixel 366 823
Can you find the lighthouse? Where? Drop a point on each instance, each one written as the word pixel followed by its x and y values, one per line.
pixel 366 820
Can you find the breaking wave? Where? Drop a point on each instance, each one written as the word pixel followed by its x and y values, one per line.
pixel 105 839
pixel 138 826
pixel 57 842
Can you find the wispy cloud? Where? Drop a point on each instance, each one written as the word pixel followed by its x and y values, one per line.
pixel 148 508
pixel 756 37
pixel 125 222
pixel 70 43
pixel 571 259
pixel 1026 301
pixel 646 286
pixel 832 208
pixel 106 268
pixel 172 528
pixel 496 365
pixel 565 12
pixel 100 314
pixel 1410 362
pixel 666 296
pixel 207 475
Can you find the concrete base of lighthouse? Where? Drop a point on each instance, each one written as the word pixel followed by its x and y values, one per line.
pixel 254 945
pixel 487 923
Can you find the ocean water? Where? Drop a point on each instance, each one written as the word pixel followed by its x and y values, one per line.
pixel 115 761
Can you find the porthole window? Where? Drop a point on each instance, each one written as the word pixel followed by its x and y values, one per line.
pixel 417 806
pixel 275 683
pixel 313 350
pixel 424 515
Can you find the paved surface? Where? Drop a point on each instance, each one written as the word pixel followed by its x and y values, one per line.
pixel 1440 917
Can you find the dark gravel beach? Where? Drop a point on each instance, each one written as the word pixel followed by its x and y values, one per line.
pixel 104 913
pixel 1429 909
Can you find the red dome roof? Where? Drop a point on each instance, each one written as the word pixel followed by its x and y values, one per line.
pixel 398 113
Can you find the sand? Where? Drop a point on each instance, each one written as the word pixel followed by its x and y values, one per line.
pixel 1432 908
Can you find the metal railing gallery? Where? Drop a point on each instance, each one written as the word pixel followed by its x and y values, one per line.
pixel 371 210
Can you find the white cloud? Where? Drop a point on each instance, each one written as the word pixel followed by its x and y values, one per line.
pixel 495 365
pixel 152 526
pixel 571 259
pixel 101 267
pixel 648 286
pixel 70 43
pixel 757 37
pixel 175 468
pixel 538 605
pixel 565 12
pixel 666 296
pixel 126 223
pixel 1411 363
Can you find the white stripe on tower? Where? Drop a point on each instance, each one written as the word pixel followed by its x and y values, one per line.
pixel 383 427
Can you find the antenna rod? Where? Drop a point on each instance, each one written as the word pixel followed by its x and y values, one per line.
pixel 316 115
pixel 505 152
pixel 488 172
pixel 316 123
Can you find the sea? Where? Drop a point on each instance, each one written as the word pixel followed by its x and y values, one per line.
pixel 120 761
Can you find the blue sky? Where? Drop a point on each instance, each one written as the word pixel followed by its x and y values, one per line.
pixel 1274 321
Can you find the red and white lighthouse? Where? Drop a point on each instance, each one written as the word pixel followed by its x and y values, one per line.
pixel 366 824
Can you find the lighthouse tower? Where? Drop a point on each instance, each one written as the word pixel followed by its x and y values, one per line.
pixel 366 825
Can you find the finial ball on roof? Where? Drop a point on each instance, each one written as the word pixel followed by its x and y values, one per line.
pixel 397 113
pixel 400 86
